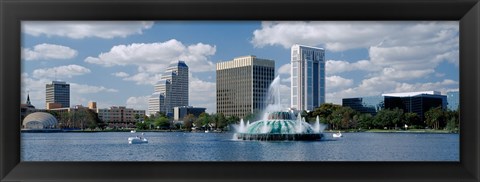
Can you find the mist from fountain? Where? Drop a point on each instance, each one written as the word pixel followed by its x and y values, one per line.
pixel 277 123
pixel 241 128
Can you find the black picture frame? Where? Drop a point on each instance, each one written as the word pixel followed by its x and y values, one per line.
pixel 12 12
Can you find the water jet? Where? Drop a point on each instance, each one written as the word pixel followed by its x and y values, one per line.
pixel 278 123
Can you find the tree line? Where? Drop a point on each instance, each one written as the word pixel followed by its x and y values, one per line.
pixel 214 121
pixel 81 118
pixel 338 117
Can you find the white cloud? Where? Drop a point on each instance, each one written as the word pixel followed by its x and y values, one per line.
pixel 395 74
pixel 344 35
pixel 403 46
pixel 443 86
pixel 48 52
pixel 154 58
pixel 61 71
pixel 337 82
pixel 138 103
pixel 400 53
pixel 337 66
pixel 36 89
pixel 202 94
pixel 284 69
pixel 144 78
pixel 120 74
pixel 35 86
pixel 76 88
pixel 85 29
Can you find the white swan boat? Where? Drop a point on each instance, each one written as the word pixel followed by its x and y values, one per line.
pixel 137 140
pixel 337 135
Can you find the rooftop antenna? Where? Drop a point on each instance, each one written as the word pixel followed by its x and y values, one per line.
pixel 55 75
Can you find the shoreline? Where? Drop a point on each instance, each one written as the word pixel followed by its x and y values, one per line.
pixel 395 131
pixel 326 131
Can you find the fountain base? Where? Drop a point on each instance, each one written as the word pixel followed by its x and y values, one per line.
pixel 277 137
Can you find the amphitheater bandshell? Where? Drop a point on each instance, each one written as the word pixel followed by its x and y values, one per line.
pixel 39 120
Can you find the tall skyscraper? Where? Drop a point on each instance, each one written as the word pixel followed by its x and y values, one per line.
pixel 57 92
pixel 171 91
pixel 308 77
pixel 242 85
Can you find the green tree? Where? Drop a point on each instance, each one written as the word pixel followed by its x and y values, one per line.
pixel 251 117
pixel 142 125
pixel 434 117
pixel 413 120
pixel 203 119
pixel 364 120
pixel 188 121
pixel 452 119
pixel 162 122
pixel 388 118
pixel 221 121
pixel 398 119
pixel 325 112
pixel 233 120
pixel 342 118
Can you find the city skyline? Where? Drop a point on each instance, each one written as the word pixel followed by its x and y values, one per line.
pixel 118 63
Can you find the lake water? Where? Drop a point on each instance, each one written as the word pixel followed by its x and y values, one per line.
pixel 178 146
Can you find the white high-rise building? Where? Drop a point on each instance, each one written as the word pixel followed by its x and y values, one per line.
pixel 156 103
pixel 171 91
pixel 308 77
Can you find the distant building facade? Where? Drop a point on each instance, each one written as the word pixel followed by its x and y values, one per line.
pixel 368 105
pixel 416 102
pixel 156 103
pixel 308 77
pixel 453 99
pixel 92 105
pixel 242 85
pixel 57 92
pixel 180 112
pixel 120 116
pixel 171 91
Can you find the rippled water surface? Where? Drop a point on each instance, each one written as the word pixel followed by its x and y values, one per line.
pixel 178 146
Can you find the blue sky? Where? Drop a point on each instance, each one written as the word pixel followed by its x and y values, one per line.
pixel 116 63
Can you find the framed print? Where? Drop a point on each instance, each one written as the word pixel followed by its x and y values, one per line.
pixel 204 90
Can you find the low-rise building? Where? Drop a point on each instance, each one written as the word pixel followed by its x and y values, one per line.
pixel 180 112
pixel 415 102
pixel 120 116
pixel 369 105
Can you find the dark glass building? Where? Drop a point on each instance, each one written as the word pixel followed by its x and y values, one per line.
pixel 416 102
pixel 370 105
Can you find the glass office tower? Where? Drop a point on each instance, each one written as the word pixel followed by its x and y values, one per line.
pixel 57 92
pixel 308 77
pixel 369 105
pixel 171 91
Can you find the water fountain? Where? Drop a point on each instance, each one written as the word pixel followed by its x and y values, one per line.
pixel 278 123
